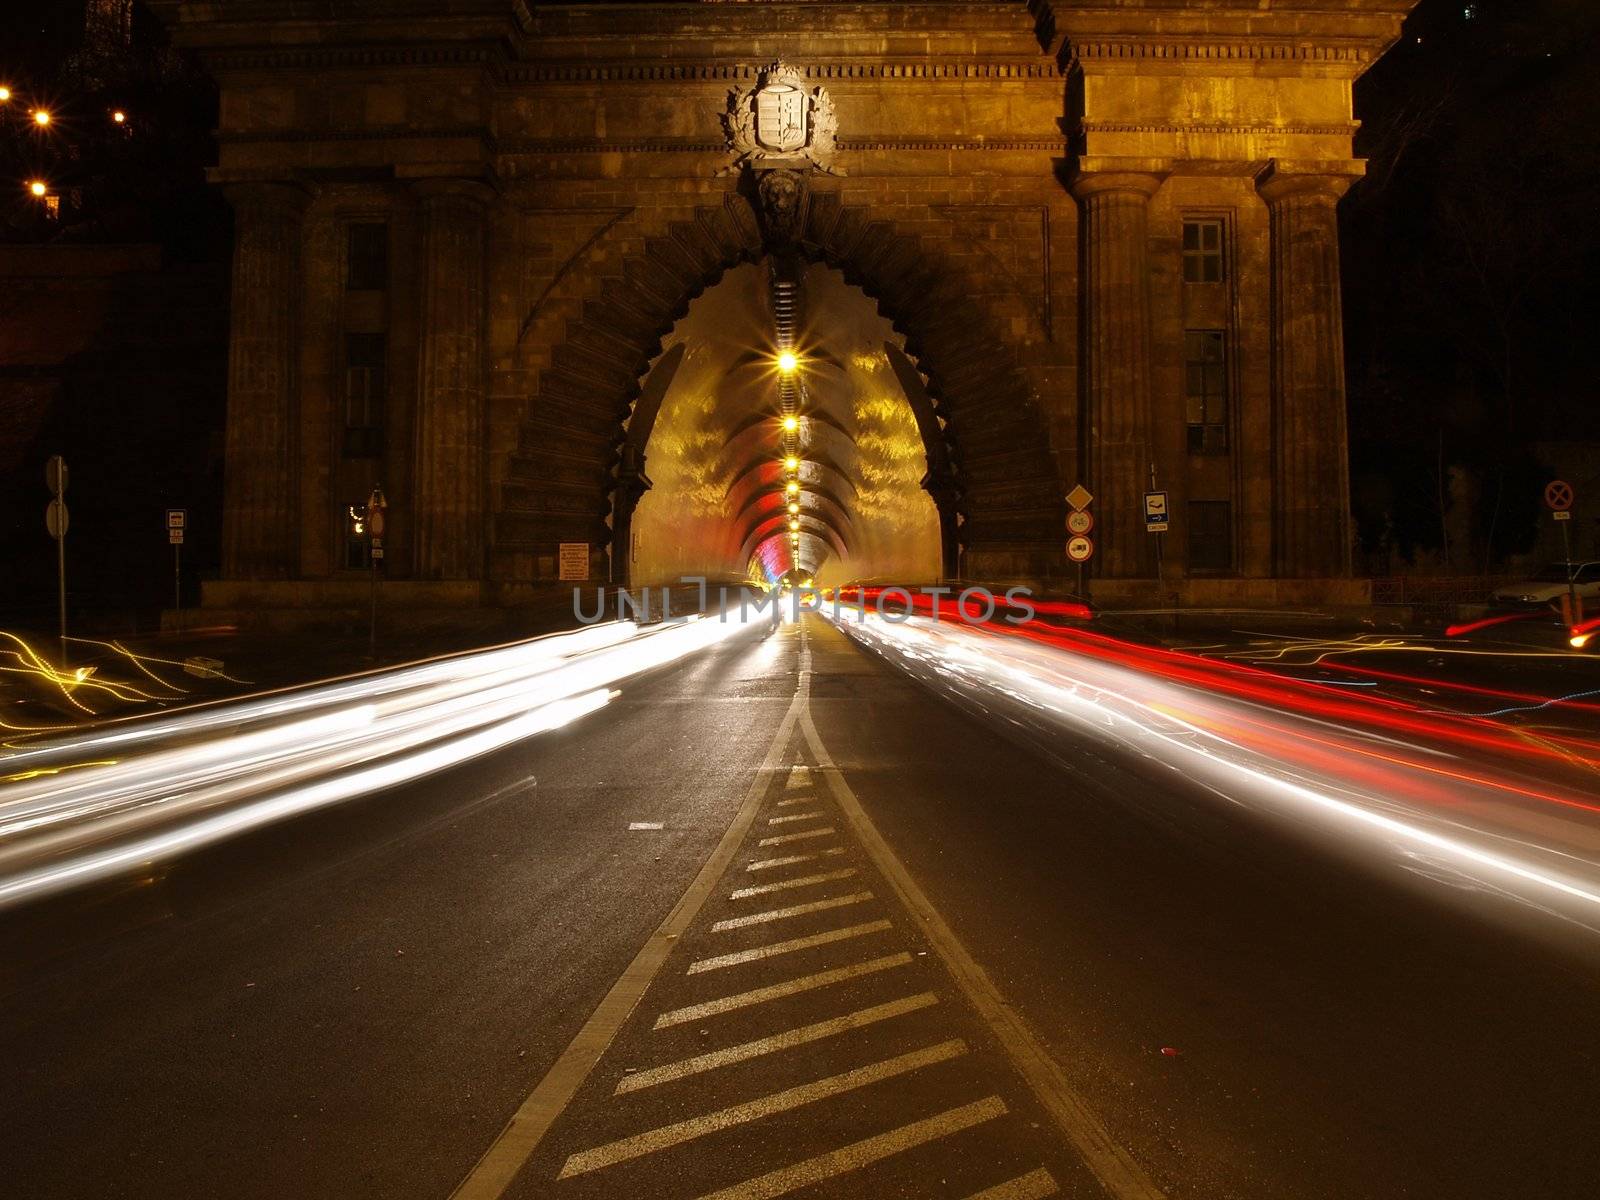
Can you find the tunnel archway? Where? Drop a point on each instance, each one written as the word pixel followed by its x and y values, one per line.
pixel 991 471
pixel 811 473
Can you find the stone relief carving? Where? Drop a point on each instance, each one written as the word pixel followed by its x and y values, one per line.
pixel 782 123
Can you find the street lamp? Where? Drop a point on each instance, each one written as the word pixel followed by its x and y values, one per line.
pixel 791 487
pixel 119 116
pixel 791 463
pixel 788 362
pixel 5 93
pixel 41 117
pixel 38 187
pixel 790 424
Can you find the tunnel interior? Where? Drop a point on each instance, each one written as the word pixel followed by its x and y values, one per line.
pixel 778 441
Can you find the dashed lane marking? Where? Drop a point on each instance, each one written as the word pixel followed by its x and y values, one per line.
pixel 797 910
pixel 766 1106
pixel 1035 1185
pixel 633 825
pixel 777 991
pixel 863 1153
pixel 783 885
pixel 771 1045
pixel 767 864
pixel 782 838
pixel 720 961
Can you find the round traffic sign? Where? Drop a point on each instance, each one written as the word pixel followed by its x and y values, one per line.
pixel 55 518
pixel 1558 495
pixel 1080 549
pixel 1080 522
pixel 55 474
pixel 375 522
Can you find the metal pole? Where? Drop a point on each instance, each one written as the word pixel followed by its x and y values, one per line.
pixel 177 582
pixel 1566 565
pixel 372 630
pixel 61 590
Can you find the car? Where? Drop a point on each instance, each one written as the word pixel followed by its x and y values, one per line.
pixel 1549 585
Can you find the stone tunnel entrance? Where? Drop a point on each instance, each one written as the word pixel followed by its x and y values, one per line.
pixel 780 444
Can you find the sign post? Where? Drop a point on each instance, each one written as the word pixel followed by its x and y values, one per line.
pixel 1558 497
pixel 1080 522
pixel 1157 518
pixel 55 521
pixel 377 508
pixel 177 522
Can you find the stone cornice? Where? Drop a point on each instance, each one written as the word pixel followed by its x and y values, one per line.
pixel 838 70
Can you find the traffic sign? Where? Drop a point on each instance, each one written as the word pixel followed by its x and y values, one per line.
pixel 1080 549
pixel 1562 515
pixel 177 518
pixel 1156 515
pixel 55 474
pixel 55 518
pixel 1081 521
pixel 1558 495
pixel 175 537
pixel 1080 498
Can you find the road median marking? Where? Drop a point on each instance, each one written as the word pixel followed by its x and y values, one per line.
pixel 778 991
pixel 772 1045
pixel 863 1153
pixel 783 885
pixel 792 946
pixel 782 838
pixel 1035 1185
pixel 1117 1171
pixel 753 1110
pixel 797 910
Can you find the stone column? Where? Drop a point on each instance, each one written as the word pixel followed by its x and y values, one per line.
pixel 450 381
pixel 1311 470
pixel 1116 363
pixel 260 525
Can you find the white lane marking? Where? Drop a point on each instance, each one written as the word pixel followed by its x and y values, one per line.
pixel 783 885
pixel 810 816
pixel 1035 1185
pixel 863 1153
pixel 777 991
pixel 825 831
pixel 767 864
pixel 796 910
pixel 799 776
pixel 644 825
pixel 776 948
pixel 489 1179
pixel 792 1098
pixel 797 800
pixel 1118 1172
pixel 770 1045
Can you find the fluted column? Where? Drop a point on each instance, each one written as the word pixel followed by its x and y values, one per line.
pixel 1311 473
pixel 450 378
pixel 260 526
pixel 1116 363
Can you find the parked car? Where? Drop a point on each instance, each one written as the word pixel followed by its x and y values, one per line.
pixel 1549 585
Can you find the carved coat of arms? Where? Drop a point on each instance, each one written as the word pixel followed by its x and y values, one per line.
pixel 780 121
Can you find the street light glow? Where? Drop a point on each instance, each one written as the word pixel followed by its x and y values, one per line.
pixel 791 463
pixel 119 116
pixel 38 188
pixel 41 117
pixel 794 508
pixel 792 487
pixel 5 94
pixel 790 424
pixel 787 362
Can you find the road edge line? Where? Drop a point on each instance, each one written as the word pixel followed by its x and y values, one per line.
pixel 510 1151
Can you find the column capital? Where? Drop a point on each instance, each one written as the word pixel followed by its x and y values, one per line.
pixel 1096 175
pixel 1329 179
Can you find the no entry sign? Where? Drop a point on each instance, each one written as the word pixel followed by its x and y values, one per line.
pixel 1558 495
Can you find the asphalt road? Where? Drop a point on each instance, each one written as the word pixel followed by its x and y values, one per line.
pixel 986 967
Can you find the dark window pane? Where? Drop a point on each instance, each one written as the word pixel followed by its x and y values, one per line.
pixel 365 384
pixel 1205 354
pixel 353 522
pixel 1202 251
pixel 367 257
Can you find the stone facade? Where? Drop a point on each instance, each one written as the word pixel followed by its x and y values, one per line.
pixel 1105 230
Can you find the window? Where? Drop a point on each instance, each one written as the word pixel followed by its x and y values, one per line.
pixel 364 384
pixel 1202 251
pixel 357 545
pixel 1205 355
pixel 366 260
pixel 1210 535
